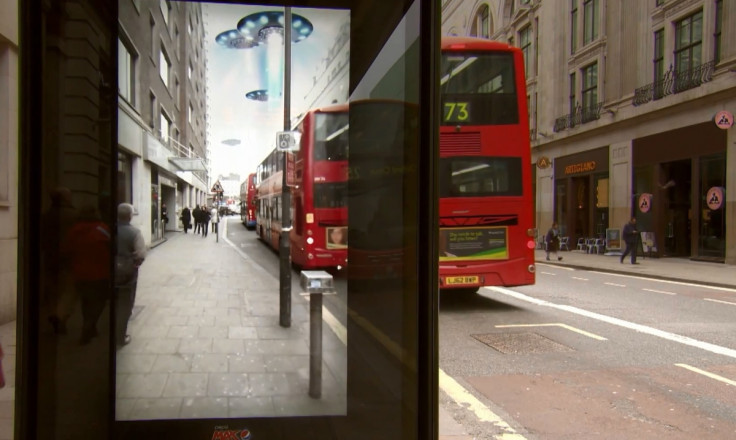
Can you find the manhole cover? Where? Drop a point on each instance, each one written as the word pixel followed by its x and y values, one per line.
pixel 520 343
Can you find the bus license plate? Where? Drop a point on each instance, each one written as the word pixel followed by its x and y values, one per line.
pixel 461 280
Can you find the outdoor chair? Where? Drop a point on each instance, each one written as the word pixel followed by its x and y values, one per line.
pixel 581 244
pixel 563 243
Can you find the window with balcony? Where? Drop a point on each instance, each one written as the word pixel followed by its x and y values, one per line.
pixel 165 127
pixel 525 42
pixel 590 22
pixel 126 72
pixel 573 97
pixel 688 46
pixel 573 25
pixel 717 33
pixel 164 66
pixel 658 67
pixel 590 87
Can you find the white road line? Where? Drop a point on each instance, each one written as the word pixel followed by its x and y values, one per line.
pixel 565 326
pixel 549 273
pixel 465 399
pixel 679 283
pixel 660 291
pixel 556 266
pixel 719 301
pixel 708 374
pixel 615 285
pixel 717 349
pixel 579 278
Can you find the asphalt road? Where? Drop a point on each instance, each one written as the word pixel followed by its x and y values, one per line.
pixel 579 355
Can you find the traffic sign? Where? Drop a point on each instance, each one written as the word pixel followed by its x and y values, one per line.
pixel 217 188
pixel 287 140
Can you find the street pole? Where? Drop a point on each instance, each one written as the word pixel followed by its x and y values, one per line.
pixel 285 246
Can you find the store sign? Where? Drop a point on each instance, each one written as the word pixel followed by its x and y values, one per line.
pixel 645 202
pixel 714 197
pixel 582 167
pixel 723 119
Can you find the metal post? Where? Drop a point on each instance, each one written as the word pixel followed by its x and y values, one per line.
pixel 284 245
pixel 315 345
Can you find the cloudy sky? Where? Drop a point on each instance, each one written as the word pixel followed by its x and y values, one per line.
pixel 234 72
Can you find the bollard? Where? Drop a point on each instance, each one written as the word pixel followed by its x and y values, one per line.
pixel 316 283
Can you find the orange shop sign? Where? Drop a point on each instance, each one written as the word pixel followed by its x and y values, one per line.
pixel 582 167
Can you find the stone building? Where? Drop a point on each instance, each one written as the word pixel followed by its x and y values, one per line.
pixel 630 110
pixel 162 111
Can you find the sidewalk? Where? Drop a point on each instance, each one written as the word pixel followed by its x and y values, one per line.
pixel 673 269
pixel 207 343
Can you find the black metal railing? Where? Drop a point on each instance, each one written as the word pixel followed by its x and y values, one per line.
pixel 673 82
pixel 580 115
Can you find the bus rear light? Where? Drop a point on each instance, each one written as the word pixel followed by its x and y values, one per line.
pixel 310 256
pixel 530 244
pixel 532 268
pixel 310 240
pixel 310 217
pixel 530 232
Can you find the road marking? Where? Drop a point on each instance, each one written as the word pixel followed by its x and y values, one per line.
pixel 717 349
pixel 719 301
pixel 708 374
pixel 579 278
pixel 557 266
pixel 465 399
pixel 549 273
pixel 615 285
pixel 565 326
pixel 660 291
pixel 679 283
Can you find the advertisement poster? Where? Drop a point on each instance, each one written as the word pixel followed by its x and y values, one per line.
pixel 613 238
pixel 481 243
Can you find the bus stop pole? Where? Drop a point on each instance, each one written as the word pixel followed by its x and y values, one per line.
pixel 284 245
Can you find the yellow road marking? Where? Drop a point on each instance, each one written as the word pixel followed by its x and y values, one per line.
pixel 464 398
pixel 708 374
pixel 565 326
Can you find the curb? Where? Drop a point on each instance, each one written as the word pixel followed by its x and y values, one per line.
pixel 642 275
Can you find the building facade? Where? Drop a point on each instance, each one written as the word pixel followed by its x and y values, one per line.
pixel 162 112
pixel 630 110
pixel 8 160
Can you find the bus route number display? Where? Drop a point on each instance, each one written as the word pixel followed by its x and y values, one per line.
pixel 457 111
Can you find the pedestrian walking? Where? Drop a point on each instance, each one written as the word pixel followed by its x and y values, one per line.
pixel 214 218
pixel 131 251
pixel 206 216
pixel 87 247
pixel 186 218
pixel 197 217
pixel 631 238
pixel 552 239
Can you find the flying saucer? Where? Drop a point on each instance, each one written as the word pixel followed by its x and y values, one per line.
pixel 233 39
pixel 257 95
pixel 257 27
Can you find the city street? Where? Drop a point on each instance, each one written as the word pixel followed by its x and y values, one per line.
pixel 611 351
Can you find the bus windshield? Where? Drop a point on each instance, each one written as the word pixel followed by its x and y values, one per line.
pixel 480 176
pixel 478 89
pixel 331 136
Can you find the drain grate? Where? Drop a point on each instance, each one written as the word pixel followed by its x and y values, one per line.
pixel 521 343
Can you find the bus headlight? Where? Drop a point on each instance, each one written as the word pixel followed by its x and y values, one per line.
pixel 310 240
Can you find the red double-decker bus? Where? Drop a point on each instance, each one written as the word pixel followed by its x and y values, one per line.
pixel 485 183
pixel 248 201
pixel 318 237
